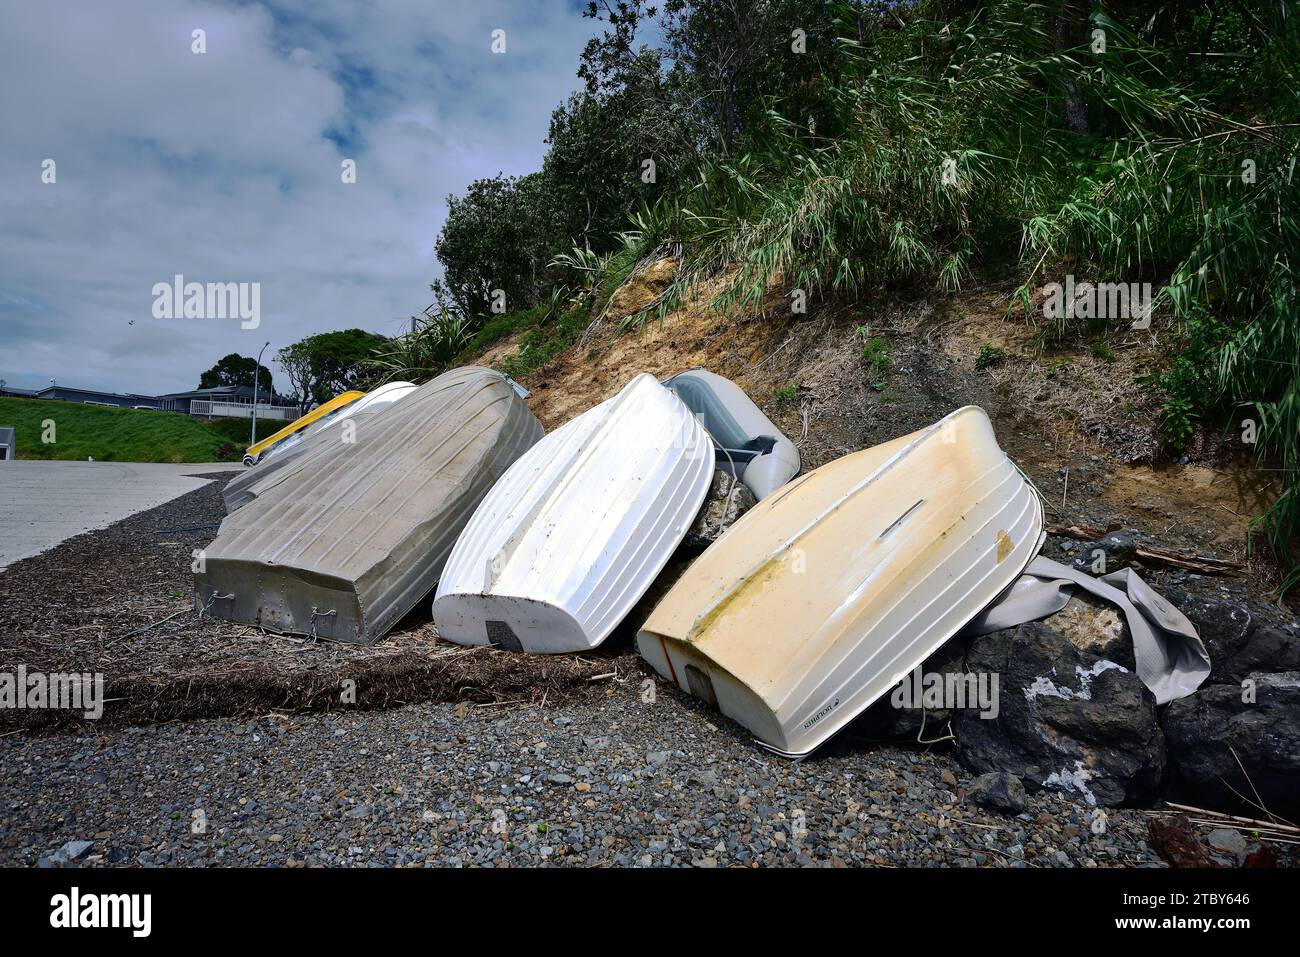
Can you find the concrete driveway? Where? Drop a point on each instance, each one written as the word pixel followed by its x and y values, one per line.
pixel 44 503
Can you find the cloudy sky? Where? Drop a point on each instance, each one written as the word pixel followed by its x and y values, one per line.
pixel 226 166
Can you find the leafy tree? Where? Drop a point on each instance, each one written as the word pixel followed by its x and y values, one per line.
pixel 728 59
pixel 319 367
pixel 599 141
pixel 494 238
pixel 502 233
pixel 235 369
pixel 295 360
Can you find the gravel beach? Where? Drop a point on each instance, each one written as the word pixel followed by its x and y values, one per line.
pixel 605 779
pixel 119 601
pixel 226 745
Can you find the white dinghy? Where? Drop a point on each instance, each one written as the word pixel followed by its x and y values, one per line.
pixel 826 594
pixel 577 529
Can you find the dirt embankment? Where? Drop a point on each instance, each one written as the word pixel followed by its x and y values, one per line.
pixel 842 378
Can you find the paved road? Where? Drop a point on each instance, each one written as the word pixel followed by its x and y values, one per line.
pixel 44 503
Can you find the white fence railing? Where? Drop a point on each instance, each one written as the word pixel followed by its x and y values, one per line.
pixel 242 410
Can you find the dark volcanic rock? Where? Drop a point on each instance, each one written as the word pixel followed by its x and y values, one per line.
pixel 1263 649
pixel 1110 553
pixel 998 791
pixel 1067 719
pixel 1242 635
pixel 728 499
pixel 1257 724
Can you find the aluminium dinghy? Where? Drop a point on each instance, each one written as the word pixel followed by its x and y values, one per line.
pixel 296 450
pixel 746 442
pixel 578 529
pixel 342 550
pixel 824 595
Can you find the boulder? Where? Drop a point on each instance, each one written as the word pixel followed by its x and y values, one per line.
pixel 998 791
pixel 1264 648
pixel 1235 741
pixel 1242 634
pixel 728 499
pixel 1110 553
pixel 1228 841
pixel 1095 626
pixel 1067 719
pixel 1177 842
pixel 1261 856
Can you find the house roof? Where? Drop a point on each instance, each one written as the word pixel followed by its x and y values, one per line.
pixel 52 389
pixel 241 391
pixel 228 391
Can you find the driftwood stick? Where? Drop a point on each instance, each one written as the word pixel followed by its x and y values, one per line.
pixel 1276 837
pixel 1247 821
pixel 1210 566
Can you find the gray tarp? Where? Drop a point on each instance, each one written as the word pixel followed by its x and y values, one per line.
pixel 1170 656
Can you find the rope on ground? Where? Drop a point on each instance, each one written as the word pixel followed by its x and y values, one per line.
pixel 140 631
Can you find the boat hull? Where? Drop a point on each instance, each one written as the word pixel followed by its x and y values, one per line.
pixel 342 550
pixel 374 400
pixel 823 596
pixel 295 452
pixel 578 529
pixel 747 443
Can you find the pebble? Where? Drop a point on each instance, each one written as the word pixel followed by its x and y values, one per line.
pixel 1228 841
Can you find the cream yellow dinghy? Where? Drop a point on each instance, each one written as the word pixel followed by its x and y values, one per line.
pixel 825 594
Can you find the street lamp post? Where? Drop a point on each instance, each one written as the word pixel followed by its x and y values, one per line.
pixel 256 369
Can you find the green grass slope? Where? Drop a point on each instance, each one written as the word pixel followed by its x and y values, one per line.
pixel 113 435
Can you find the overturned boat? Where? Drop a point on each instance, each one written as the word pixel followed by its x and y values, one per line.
pixel 747 444
pixel 255 452
pixel 345 548
pixel 295 451
pixel 824 596
pixel 372 401
pixel 576 531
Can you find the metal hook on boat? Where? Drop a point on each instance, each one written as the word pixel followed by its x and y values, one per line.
pixel 314 613
pixel 212 600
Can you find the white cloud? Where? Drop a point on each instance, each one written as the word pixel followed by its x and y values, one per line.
pixel 225 166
